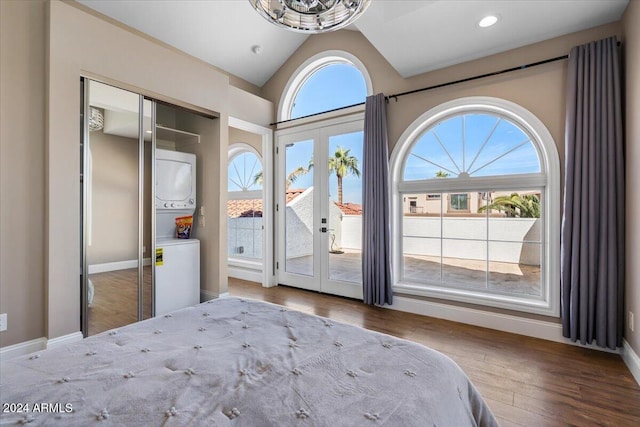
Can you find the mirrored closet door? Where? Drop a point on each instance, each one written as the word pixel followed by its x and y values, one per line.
pixel 142 170
pixel 117 150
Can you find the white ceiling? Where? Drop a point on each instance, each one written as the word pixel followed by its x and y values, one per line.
pixel 415 36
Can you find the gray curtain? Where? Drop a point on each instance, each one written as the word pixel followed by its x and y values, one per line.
pixel 593 220
pixel 376 246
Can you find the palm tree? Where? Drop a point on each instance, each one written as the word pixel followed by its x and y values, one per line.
pixel 442 174
pixel 343 164
pixel 291 178
pixel 515 206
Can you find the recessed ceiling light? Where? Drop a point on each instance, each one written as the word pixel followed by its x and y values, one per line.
pixel 488 21
pixel 256 49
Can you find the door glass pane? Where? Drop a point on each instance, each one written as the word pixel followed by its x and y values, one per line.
pixel 299 206
pixel 112 208
pixel 345 207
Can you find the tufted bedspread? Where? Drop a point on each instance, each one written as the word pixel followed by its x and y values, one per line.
pixel 233 362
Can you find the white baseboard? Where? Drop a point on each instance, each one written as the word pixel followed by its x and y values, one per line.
pixel 65 339
pixel 632 360
pixel 501 322
pixel 115 266
pixel 38 344
pixel 23 348
pixel 245 274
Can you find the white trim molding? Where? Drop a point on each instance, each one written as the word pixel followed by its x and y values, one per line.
pixel 533 328
pixel 632 360
pixel 38 344
pixel 245 274
pixel 65 339
pixel 22 348
pixel 501 322
pixel 548 180
pixel 310 66
pixel 268 278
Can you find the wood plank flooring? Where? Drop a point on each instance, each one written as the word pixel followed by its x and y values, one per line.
pixel 525 381
pixel 115 300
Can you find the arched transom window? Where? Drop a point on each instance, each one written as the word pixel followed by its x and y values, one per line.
pixel 476 206
pixel 327 81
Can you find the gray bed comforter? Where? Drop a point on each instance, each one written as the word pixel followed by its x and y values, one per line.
pixel 233 362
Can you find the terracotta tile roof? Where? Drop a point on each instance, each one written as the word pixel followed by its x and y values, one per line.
pixel 244 208
pixel 253 207
pixel 292 194
pixel 350 208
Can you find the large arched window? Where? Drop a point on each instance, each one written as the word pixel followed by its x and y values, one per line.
pixel 244 205
pixel 329 80
pixel 476 207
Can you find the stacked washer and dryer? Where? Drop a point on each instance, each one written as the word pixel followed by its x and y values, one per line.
pixel 177 260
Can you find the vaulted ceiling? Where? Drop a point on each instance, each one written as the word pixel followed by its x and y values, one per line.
pixel 415 36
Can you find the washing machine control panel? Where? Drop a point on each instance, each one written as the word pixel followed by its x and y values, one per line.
pixel 189 204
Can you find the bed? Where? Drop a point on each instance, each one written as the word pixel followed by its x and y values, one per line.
pixel 238 362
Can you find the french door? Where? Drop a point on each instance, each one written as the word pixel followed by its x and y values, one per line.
pixel 319 208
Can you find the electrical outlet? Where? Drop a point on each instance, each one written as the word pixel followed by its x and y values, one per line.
pixel 631 321
pixel 3 322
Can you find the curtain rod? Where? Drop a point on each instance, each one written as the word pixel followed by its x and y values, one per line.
pixel 468 79
pixel 481 76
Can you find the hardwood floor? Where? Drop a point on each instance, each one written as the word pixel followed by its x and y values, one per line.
pixel 525 381
pixel 115 300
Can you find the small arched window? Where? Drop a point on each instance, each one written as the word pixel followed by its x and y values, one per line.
pixel 325 82
pixel 244 204
pixel 476 206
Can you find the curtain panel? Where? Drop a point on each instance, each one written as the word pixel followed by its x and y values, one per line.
pixel 592 245
pixel 376 223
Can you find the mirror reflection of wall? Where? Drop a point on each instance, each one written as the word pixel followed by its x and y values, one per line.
pixel 112 209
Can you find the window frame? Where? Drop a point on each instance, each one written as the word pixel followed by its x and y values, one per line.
pixel 548 181
pixel 307 69
pixel 234 151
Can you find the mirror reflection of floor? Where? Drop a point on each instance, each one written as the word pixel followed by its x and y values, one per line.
pixel 115 300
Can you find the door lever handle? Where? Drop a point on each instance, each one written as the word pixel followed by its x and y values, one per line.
pixel 323 229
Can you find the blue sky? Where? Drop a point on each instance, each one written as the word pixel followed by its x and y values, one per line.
pixel 331 87
pixel 508 150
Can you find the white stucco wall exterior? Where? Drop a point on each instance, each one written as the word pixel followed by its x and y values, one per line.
pixel 422 237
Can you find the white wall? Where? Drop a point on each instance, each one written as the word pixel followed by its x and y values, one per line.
pixel 299 225
pixel 423 237
pixel 246 233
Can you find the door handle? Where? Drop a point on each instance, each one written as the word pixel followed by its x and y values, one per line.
pixel 323 229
